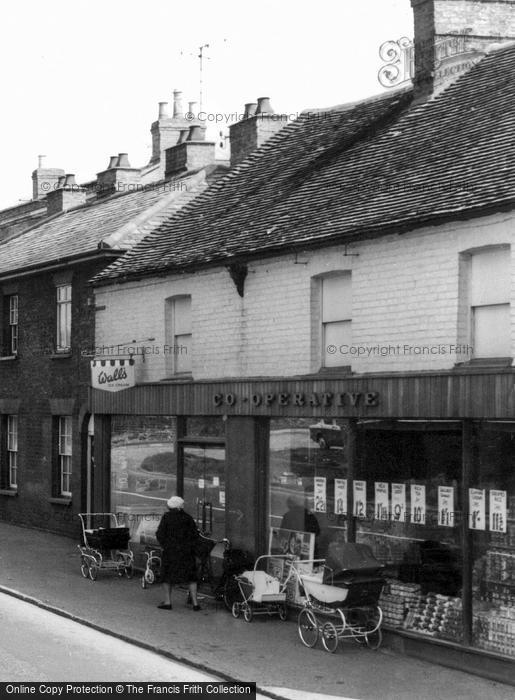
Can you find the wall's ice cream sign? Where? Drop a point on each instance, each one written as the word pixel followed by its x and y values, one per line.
pixel 112 375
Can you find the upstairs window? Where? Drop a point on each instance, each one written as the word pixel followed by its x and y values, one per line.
pixel 336 319
pixel 10 325
pixel 178 335
pixel 64 317
pixel 490 303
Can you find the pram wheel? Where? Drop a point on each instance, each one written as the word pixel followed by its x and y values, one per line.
pixel 93 571
pixel 149 577
pixel 129 571
pixel 231 593
pixel 84 569
pixel 308 628
pixel 374 639
pixel 143 582
pixel 247 613
pixel 329 637
pixel 235 610
pixel 283 613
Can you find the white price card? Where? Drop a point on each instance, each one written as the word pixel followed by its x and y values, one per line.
pixel 360 499
pixel 399 502
pixel 498 512
pixel 340 496
pixel 446 506
pixel 201 483
pixel 477 509
pixel 382 502
pixel 418 504
pixel 320 494
pixel 216 481
pixel 222 498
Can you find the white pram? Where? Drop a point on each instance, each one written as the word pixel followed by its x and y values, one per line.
pixel 260 593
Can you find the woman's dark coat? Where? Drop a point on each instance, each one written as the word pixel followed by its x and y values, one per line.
pixel 177 534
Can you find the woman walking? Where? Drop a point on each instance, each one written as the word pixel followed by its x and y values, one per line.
pixel 177 534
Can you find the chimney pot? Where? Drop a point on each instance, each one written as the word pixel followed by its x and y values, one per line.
pixel 123 161
pixel 183 135
pixel 250 109
pixel 264 106
pixel 113 161
pixel 192 108
pixel 163 110
pixel 195 133
pixel 70 180
pixel 60 182
pixel 177 104
pixel 41 161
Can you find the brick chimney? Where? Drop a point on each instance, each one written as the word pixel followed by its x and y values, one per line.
pixel 166 130
pixel 191 153
pixel 44 180
pixel 67 195
pixel 260 122
pixel 118 177
pixel 455 33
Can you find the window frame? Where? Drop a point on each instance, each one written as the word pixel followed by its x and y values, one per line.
pixel 12 451
pixel 323 325
pixel 63 317
pixel 177 338
pixel 65 454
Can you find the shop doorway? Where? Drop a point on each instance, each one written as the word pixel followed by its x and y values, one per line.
pixel 203 486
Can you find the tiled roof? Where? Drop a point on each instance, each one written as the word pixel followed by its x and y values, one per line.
pixel 379 165
pixel 116 223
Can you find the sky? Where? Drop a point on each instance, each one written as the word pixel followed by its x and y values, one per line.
pixel 81 81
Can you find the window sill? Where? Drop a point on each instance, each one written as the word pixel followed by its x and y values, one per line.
pixel 486 362
pixel 60 355
pixel 61 500
pixel 6 358
pixel 8 492
pixel 186 376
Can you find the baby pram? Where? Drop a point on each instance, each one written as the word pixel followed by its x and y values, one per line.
pixel 260 593
pixel 341 599
pixel 104 546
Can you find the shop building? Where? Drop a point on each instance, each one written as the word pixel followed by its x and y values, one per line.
pixel 333 331
pixel 48 313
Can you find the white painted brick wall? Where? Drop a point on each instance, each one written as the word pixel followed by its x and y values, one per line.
pixel 405 292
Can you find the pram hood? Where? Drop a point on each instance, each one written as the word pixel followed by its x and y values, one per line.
pixel 350 562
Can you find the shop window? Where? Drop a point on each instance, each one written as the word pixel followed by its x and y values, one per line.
pixel 336 318
pixel 490 302
pixel 491 529
pixel 10 325
pixel 64 448
pixel 178 335
pixel 64 317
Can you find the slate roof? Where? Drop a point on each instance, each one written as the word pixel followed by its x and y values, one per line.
pixel 360 170
pixel 114 223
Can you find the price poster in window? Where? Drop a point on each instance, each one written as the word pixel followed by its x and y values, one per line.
pixel 320 494
pixel 446 506
pixel 477 509
pixel 498 511
pixel 360 499
pixel 399 502
pixel 221 498
pixel 382 502
pixel 340 496
pixel 418 504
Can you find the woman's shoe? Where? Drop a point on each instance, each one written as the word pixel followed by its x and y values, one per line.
pixel 196 607
pixel 165 606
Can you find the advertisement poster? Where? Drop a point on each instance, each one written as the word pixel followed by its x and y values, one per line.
pixel 360 499
pixel 418 504
pixel 320 494
pixel 399 502
pixel 299 544
pixel 498 511
pixel 477 509
pixel 340 496
pixel 382 502
pixel 446 506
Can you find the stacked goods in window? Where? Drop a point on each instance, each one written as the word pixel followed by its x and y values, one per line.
pixel 494 630
pixel 437 616
pixel 397 599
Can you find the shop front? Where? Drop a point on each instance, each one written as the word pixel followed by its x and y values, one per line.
pixel 418 467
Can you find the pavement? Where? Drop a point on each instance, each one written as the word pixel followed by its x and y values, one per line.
pixel 44 569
